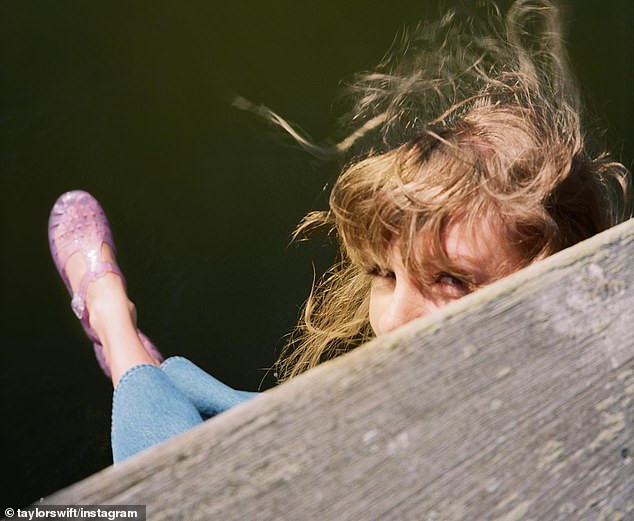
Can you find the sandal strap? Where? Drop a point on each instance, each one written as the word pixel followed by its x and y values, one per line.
pixel 97 270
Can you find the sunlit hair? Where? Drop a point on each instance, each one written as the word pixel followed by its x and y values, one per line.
pixel 471 118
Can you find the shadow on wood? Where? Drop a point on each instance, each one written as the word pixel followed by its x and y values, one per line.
pixel 516 402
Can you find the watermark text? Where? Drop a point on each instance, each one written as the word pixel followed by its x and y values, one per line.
pixel 77 512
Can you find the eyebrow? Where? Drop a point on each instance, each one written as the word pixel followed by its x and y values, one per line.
pixel 469 265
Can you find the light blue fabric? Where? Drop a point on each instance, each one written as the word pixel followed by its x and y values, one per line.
pixel 152 404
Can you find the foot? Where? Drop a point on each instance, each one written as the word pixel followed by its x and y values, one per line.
pixel 105 297
pixel 83 250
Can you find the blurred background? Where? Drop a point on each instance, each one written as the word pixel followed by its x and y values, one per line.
pixel 126 100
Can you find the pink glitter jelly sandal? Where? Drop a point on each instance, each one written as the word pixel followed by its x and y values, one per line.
pixel 78 224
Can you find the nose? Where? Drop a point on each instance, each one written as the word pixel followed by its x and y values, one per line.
pixel 406 303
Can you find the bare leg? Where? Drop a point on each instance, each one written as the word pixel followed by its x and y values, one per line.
pixel 112 316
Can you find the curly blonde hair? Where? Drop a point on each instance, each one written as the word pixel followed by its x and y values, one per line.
pixel 471 117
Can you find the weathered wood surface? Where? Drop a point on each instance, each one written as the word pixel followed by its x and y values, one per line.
pixel 515 403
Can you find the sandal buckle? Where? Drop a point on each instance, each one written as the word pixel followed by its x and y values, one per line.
pixel 78 306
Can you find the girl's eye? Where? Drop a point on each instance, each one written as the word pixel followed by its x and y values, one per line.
pixel 376 271
pixel 453 283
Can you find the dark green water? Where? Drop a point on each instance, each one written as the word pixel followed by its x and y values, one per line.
pixel 124 99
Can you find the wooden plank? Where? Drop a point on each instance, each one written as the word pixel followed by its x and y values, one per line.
pixel 514 403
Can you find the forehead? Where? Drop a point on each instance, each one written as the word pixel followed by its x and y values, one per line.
pixel 480 246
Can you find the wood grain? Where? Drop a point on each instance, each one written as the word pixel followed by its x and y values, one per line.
pixel 514 403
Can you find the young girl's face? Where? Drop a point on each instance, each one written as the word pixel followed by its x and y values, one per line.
pixel 481 253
